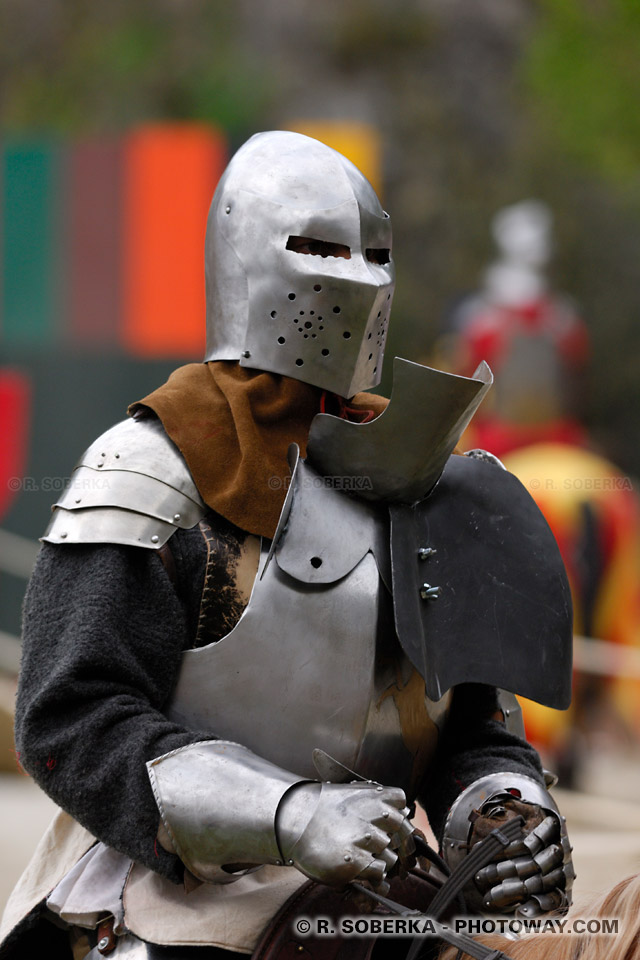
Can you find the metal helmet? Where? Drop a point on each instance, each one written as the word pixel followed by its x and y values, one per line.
pixel 298 265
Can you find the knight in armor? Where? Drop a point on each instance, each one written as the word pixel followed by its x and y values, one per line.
pixel 272 612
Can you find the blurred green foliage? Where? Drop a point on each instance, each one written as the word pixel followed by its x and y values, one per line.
pixel 84 67
pixel 479 103
pixel 583 69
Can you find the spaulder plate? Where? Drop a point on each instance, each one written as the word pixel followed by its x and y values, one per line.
pixel 132 486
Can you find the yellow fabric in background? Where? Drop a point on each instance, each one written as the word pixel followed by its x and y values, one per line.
pixel 358 142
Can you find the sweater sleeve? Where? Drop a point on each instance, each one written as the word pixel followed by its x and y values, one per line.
pixel 102 639
pixel 472 746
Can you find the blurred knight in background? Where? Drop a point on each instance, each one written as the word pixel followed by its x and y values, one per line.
pixel 533 338
pixel 538 347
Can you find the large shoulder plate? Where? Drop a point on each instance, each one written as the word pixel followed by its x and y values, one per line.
pixel 480 591
pixel 132 486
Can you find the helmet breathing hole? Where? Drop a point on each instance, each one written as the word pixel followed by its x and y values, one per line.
pixel 320 327
pixel 299 362
pixel 317 288
pixel 281 340
pixel 325 352
pixel 302 313
pixel 370 356
pixel 336 309
pixel 300 329
pixel 316 562
pixel 369 337
pixel 292 296
pixel 311 312
pixel 274 313
pixel 347 335
pixel 308 324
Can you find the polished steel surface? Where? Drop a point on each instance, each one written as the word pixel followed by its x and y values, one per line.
pixel 335 832
pixel 141 446
pixel 130 491
pixel 327 533
pixel 320 319
pixel 107 525
pixel 218 802
pixel 313 664
pixel 132 486
pixel 431 407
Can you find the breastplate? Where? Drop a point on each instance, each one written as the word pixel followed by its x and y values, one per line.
pixel 314 661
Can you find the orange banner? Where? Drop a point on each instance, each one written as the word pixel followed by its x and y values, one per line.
pixel 170 174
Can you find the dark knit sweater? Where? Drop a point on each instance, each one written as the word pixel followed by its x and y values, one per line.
pixel 104 629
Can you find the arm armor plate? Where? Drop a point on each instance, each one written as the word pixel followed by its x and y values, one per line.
pixel 132 487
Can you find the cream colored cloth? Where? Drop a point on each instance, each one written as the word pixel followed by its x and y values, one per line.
pixel 63 844
pixel 230 915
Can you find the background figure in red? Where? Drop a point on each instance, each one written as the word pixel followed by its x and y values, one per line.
pixel 537 345
pixel 532 337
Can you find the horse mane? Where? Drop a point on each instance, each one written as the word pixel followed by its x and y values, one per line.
pixel 621 902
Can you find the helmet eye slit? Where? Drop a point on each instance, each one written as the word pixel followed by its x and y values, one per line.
pixel 379 255
pixel 318 248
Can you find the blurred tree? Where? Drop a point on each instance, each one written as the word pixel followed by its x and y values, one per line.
pixel 74 66
pixel 584 71
pixel 480 103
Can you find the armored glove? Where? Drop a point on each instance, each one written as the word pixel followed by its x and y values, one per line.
pixel 226 809
pixel 335 832
pixel 532 875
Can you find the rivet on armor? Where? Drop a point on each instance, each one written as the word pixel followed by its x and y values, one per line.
pixel 367 836
pixel 279 863
pixel 347 858
pixel 101 464
pixel 117 456
pixel 379 789
pixel 78 499
pixel 386 814
pixel 289 863
pixel 62 536
pixel 246 354
pixel 427 592
pixel 425 552
pixel 155 538
pixel 227 210
pixel 176 517
pixel 103 943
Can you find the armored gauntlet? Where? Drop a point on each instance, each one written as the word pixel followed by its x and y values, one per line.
pixel 226 809
pixel 532 875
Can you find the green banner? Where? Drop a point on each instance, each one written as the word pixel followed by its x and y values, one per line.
pixel 31 248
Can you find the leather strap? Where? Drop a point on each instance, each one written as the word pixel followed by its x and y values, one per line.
pixel 280 942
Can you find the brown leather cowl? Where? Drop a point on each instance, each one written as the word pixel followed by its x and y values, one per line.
pixel 234 426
